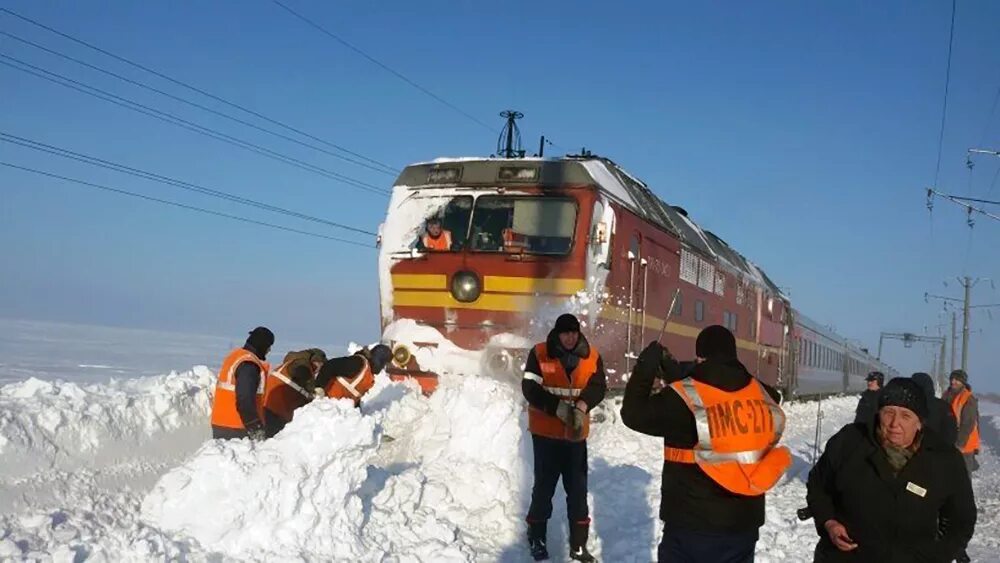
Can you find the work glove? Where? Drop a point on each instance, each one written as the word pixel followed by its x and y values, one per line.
pixel 579 417
pixel 658 357
pixel 564 412
pixel 257 434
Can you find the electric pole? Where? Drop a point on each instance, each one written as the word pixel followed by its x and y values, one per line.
pixel 954 337
pixel 967 284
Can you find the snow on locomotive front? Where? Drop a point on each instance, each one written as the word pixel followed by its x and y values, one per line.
pixel 477 257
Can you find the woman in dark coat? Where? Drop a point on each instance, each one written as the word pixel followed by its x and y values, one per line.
pixel 880 489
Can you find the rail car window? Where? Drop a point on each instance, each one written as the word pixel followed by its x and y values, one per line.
pixel 678 306
pixel 699 310
pixel 529 225
pixel 454 216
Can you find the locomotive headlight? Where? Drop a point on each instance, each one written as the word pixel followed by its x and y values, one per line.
pixel 401 355
pixel 465 287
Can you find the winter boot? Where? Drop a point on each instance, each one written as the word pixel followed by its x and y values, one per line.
pixel 536 540
pixel 578 533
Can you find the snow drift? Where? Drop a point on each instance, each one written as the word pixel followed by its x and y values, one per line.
pixel 334 485
pixel 59 425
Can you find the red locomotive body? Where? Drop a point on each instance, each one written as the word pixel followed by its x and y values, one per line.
pixel 533 238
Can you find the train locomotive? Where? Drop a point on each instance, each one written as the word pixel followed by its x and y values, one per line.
pixel 531 238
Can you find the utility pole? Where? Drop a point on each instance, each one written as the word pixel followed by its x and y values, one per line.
pixel 954 337
pixel 967 284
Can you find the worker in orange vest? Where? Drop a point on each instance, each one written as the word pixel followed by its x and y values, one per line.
pixel 563 381
pixel 351 377
pixel 290 387
pixel 238 407
pixel 965 405
pixel 720 428
pixel 436 238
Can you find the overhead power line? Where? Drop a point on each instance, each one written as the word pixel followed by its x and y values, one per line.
pixel 199 106
pixel 970 209
pixel 989 119
pixel 181 205
pixel 383 66
pixel 139 173
pixel 944 105
pixel 194 88
pixel 185 124
pixel 976 200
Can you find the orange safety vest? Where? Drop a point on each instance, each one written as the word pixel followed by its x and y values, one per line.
pixel 282 395
pixel 224 413
pixel 442 243
pixel 354 387
pixel 738 433
pixel 957 404
pixel 567 387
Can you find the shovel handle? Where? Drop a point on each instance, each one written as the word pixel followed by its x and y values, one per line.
pixel 670 313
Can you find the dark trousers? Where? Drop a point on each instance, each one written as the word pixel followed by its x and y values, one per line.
pixel 228 433
pixel 555 458
pixel 690 546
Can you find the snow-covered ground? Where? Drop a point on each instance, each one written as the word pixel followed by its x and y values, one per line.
pixel 124 470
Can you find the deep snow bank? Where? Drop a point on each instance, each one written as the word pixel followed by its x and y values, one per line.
pixel 77 460
pixel 59 425
pixel 436 479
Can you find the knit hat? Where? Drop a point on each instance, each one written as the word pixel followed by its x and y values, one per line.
pixel 960 375
pixel 876 376
pixel 906 393
pixel 716 343
pixel 261 338
pixel 567 323
pixel 380 357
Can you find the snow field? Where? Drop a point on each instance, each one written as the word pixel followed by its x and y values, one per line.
pixel 77 460
pixel 125 472
pixel 60 425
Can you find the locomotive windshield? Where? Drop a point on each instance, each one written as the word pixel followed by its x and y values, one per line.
pixel 489 223
pixel 529 225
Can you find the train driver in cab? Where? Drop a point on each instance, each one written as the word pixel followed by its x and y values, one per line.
pixel 435 238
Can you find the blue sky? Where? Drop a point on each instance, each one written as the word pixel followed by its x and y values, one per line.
pixel 802 133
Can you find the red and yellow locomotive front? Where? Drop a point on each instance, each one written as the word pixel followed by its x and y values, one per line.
pixel 474 257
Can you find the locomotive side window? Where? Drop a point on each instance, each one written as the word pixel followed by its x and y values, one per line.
pixel 699 310
pixel 529 225
pixel 447 217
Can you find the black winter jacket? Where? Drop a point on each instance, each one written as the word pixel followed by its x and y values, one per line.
pixel 689 499
pixel 891 518
pixel 538 397
pixel 867 407
pixel 248 378
pixel 940 417
pixel 347 366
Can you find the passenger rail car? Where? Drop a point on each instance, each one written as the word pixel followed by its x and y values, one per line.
pixel 530 239
pixel 826 363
